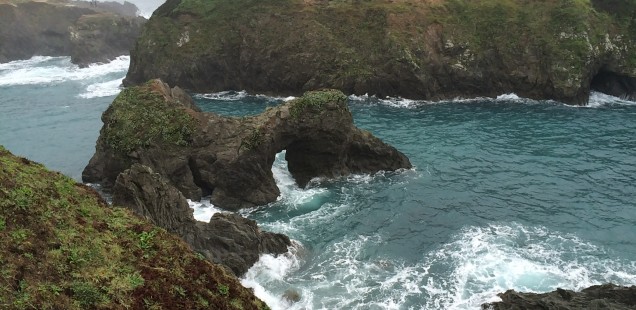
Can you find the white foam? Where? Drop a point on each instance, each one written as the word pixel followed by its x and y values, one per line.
pixel 229 95
pixel 55 70
pixel 399 102
pixel 103 89
pixel 598 99
pixel 271 272
pixel 290 193
pixel 485 261
pixel 203 210
pixel 511 96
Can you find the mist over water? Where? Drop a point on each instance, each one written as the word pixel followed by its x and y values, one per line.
pixel 506 192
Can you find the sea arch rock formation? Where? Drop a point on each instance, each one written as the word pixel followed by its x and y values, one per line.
pixel 231 157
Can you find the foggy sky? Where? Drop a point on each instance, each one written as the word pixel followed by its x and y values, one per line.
pixel 145 6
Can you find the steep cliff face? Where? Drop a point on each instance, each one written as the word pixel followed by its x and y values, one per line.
pixel 416 49
pixel 88 35
pixel 63 247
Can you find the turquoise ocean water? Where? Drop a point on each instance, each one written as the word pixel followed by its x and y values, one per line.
pixel 506 192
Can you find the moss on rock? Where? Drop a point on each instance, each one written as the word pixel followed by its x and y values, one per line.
pixel 315 100
pixel 63 247
pixel 141 116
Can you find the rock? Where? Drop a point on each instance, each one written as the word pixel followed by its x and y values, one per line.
pixel 291 296
pixel 228 239
pixel 607 296
pixel 237 242
pixel 228 157
pixel 65 28
pixel 63 247
pixel 102 37
pixel 152 197
pixel 415 49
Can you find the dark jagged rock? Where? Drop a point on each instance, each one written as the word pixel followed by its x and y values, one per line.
pixel 411 48
pixel 607 296
pixel 152 197
pixel 65 28
pixel 228 239
pixel 228 157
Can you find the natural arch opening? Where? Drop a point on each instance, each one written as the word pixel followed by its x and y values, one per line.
pixel 614 84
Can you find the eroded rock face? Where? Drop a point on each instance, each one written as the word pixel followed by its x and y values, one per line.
pixel 228 239
pixel 62 28
pixel 228 157
pixel 607 296
pixel 414 49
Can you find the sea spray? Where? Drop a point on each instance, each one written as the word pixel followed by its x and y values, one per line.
pixel 46 70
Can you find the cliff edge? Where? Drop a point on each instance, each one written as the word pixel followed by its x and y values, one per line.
pixel 410 48
pixel 63 247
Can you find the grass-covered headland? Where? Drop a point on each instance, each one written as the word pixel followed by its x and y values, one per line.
pixel 420 49
pixel 63 247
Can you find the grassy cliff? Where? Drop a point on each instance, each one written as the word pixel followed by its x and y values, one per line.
pixel 63 247
pixel 420 49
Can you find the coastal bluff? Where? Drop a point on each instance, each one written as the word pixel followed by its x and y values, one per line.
pixel 230 158
pixel 67 28
pixel 63 247
pixel 432 50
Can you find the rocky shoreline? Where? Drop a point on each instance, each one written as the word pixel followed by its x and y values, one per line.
pixel 607 296
pixel 67 28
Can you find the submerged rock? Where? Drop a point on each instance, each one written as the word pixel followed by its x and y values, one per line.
pixel 415 49
pixel 63 247
pixel 65 28
pixel 228 239
pixel 229 157
pixel 607 296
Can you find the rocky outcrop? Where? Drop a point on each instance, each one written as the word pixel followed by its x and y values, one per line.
pixel 64 28
pixel 228 157
pixel 63 247
pixel 606 296
pixel 228 239
pixel 414 49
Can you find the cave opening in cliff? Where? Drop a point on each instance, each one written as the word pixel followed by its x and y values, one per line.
pixel 614 84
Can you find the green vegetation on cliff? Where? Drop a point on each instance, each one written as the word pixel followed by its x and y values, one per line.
pixel 315 100
pixel 417 49
pixel 63 247
pixel 141 116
